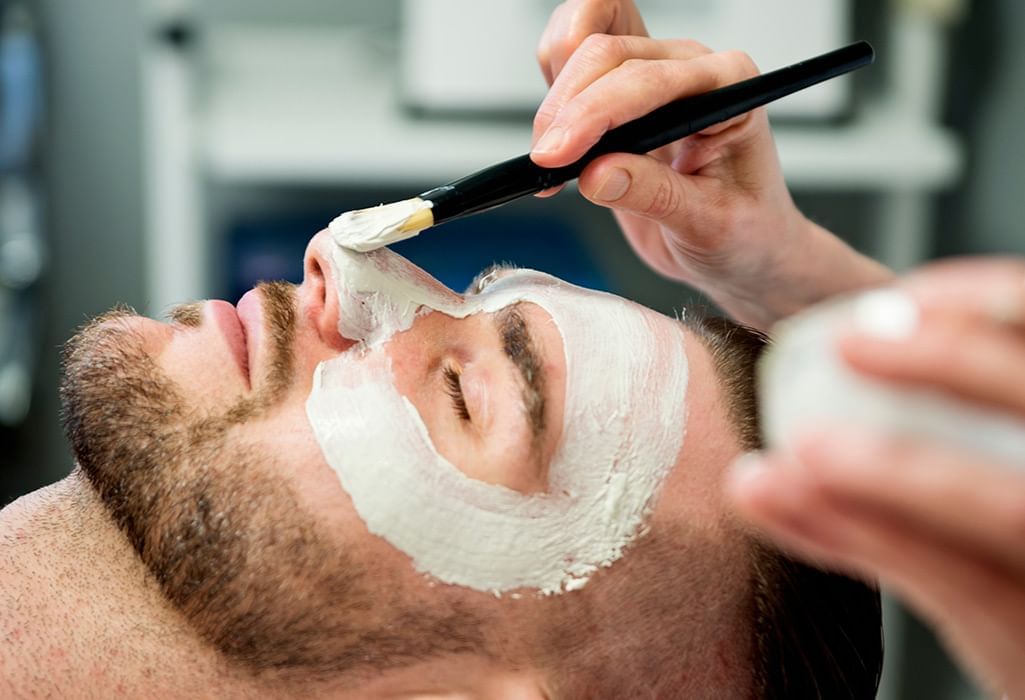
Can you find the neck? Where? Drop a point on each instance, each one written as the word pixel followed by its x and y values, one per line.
pixel 78 610
pixel 82 610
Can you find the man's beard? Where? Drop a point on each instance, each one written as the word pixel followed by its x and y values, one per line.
pixel 223 534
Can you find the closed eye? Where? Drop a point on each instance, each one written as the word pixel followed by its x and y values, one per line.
pixel 454 388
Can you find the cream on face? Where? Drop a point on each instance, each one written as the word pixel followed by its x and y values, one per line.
pixel 623 426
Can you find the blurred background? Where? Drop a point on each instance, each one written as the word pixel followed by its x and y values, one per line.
pixel 153 151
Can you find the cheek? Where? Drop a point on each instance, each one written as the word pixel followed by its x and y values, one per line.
pixel 290 450
pixel 495 447
pixel 293 456
pixel 285 442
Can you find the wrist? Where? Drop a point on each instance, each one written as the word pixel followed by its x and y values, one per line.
pixel 807 265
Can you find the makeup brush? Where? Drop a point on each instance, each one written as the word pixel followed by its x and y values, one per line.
pixel 367 229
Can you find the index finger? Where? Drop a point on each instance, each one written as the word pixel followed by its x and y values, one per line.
pixel 545 47
pixel 598 55
pixel 575 20
pixel 629 91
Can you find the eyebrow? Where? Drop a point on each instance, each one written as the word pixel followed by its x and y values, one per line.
pixel 519 347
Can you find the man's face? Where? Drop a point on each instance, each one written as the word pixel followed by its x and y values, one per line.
pixel 196 434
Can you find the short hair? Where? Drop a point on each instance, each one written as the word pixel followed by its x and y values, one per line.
pixel 818 633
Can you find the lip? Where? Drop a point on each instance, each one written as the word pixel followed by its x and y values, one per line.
pixel 234 332
pixel 250 316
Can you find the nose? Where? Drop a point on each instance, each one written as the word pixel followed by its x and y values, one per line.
pixel 321 293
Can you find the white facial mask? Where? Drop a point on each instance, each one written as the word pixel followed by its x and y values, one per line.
pixel 623 426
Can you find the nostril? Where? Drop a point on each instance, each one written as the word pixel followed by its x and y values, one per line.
pixel 325 305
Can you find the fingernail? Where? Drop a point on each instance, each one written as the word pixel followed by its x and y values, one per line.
pixel 886 314
pixel 614 186
pixel 551 141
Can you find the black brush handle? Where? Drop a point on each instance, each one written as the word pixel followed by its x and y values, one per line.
pixel 519 177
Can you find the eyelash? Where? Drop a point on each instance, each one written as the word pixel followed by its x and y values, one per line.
pixel 454 388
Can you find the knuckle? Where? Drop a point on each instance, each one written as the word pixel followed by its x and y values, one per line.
pixel 563 47
pixel 602 46
pixel 698 46
pixel 652 75
pixel 546 114
pixel 585 119
pixel 595 42
pixel 741 61
pixel 665 200
pixel 635 65
pixel 692 46
pixel 543 52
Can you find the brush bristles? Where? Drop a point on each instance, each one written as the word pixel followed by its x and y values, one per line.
pixel 365 230
pixel 418 221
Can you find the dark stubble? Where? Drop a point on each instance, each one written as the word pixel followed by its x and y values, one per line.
pixel 222 533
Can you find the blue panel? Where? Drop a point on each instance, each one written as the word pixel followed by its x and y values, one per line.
pixel 272 248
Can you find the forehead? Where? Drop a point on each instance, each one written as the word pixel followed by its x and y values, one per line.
pixel 495 287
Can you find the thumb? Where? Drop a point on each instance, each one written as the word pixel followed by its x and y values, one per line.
pixel 639 184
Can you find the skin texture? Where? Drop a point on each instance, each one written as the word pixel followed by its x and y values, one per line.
pixel 942 528
pixel 207 519
pixel 711 210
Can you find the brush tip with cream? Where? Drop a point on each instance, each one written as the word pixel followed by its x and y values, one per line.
pixel 364 230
